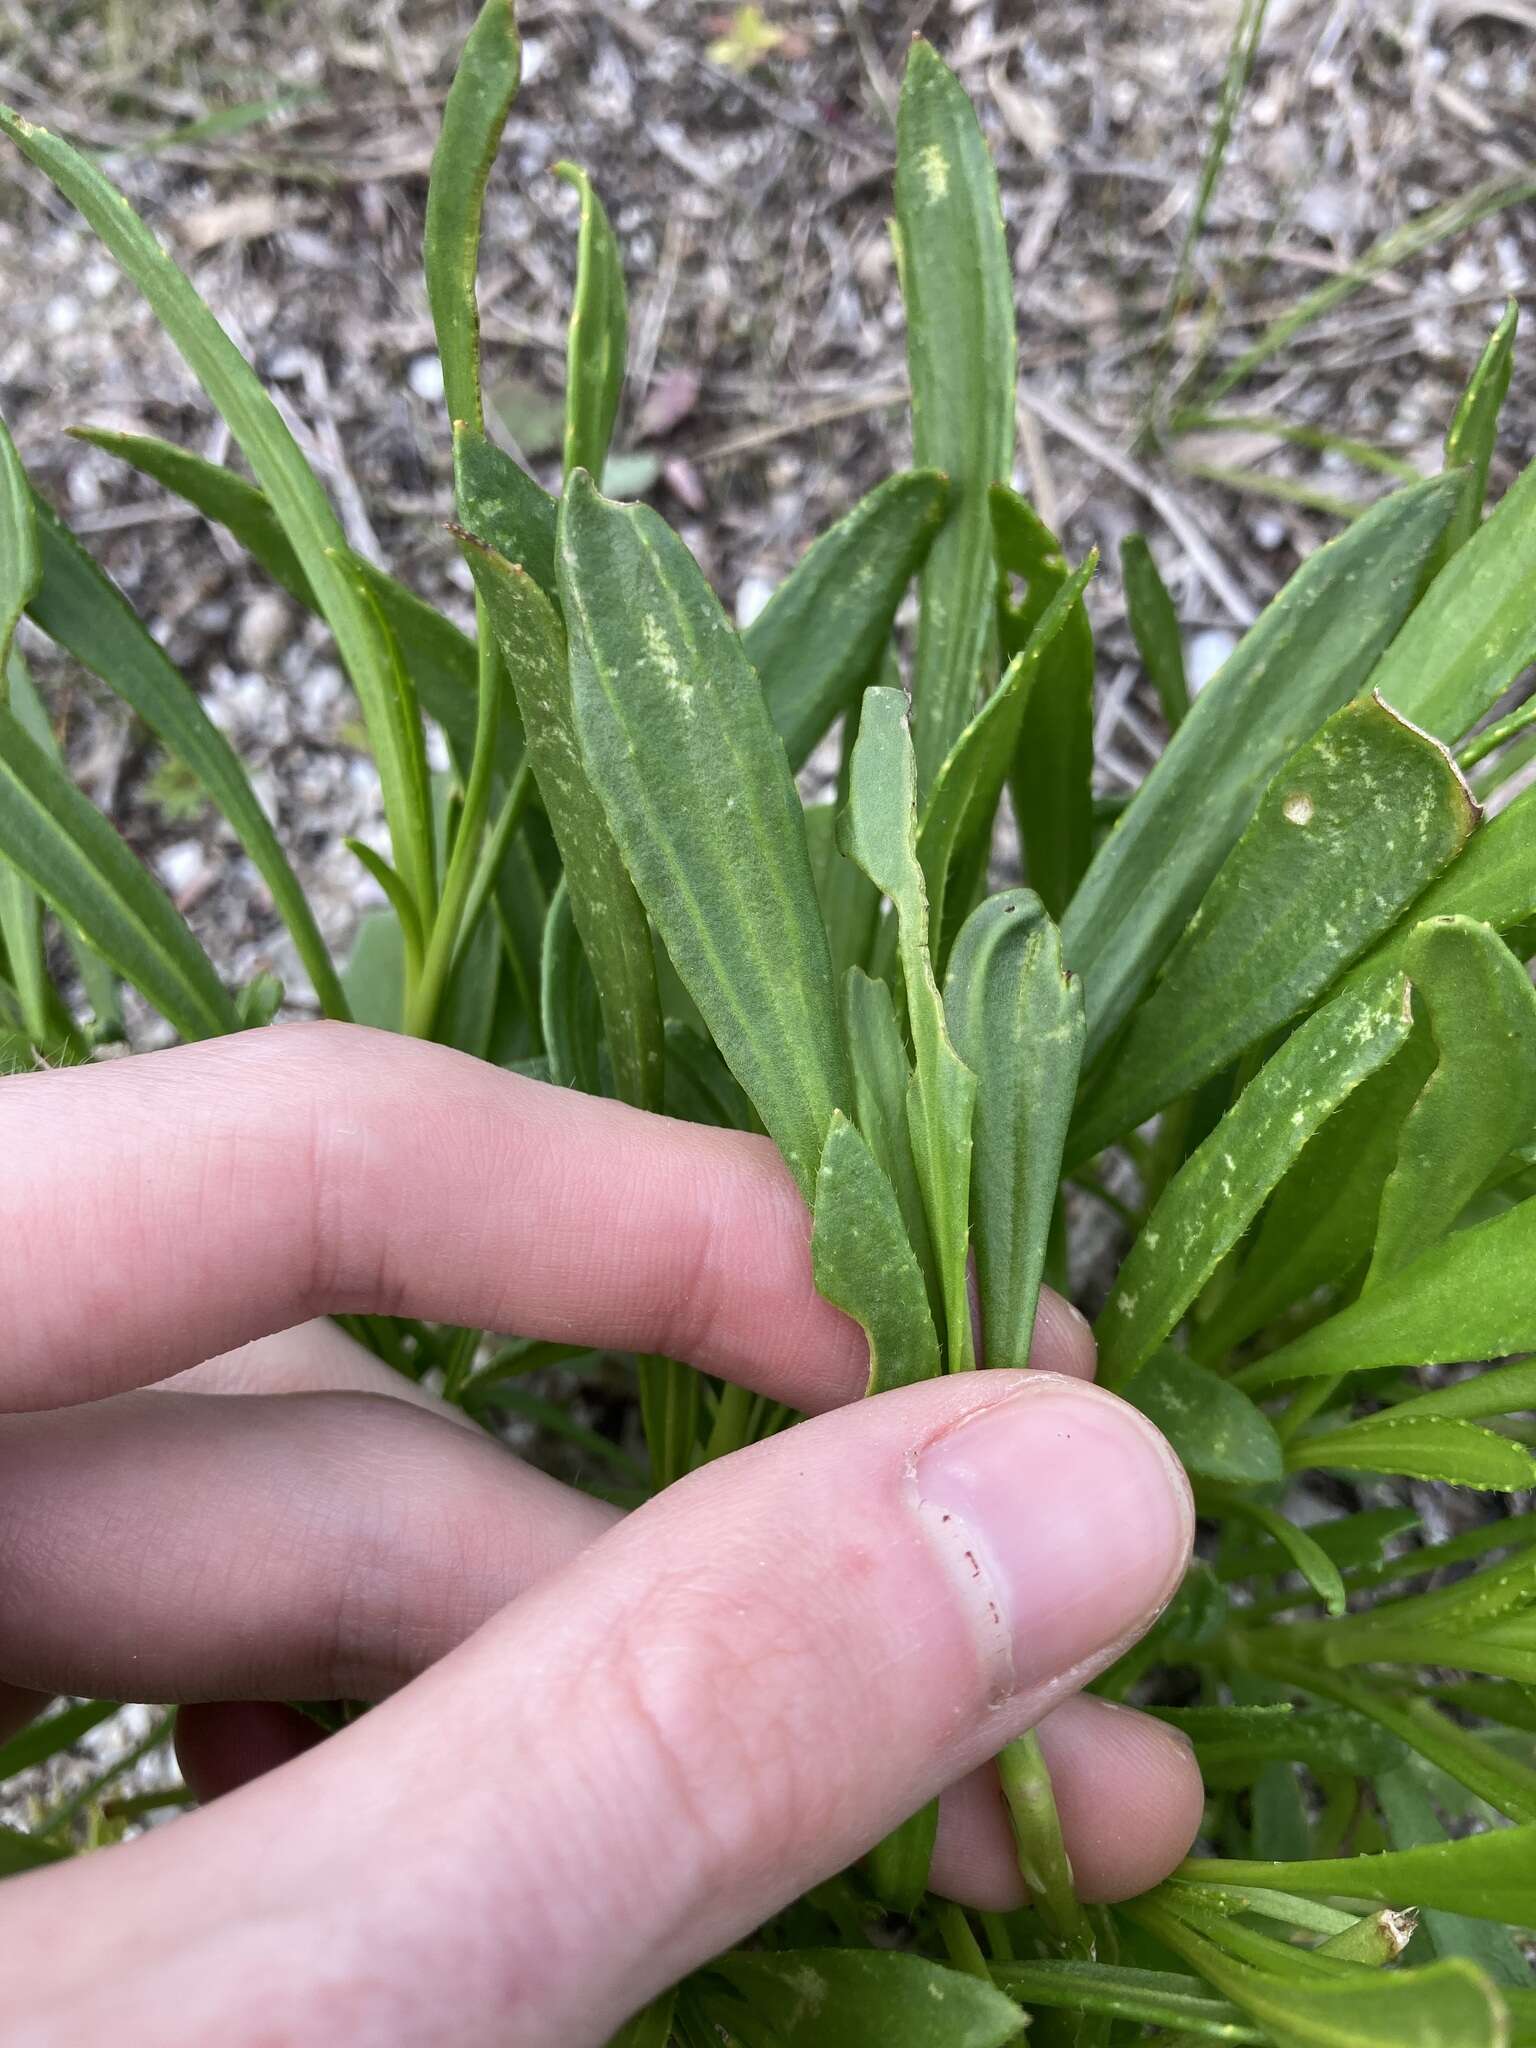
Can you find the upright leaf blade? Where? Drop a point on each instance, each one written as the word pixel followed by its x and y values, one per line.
pixel 21 569
pixel 79 606
pixel 863 1263
pixel 1467 1297
pixel 1052 772
pixel 1017 1022
pixel 1473 631
pixel 1470 439
pixel 78 864
pixel 1350 831
pixel 1218 1191
pixel 695 784
pixel 880 834
pixel 607 911
pixel 500 502
pixel 958 288
pixel 1155 628
pixel 1309 653
pixel 1480 1099
pixel 1491 1876
pixel 598 339
pixel 297 499
pixel 864 1998
pixel 820 636
pixel 483 89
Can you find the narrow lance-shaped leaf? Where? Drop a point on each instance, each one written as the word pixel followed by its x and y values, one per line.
pixel 1492 1876
pixel 1467 1297
pixel 958 288
pixel 474 114
pixel 1017 1021
pixel 1480 1099
pixel 818 638
pixel 441 658
pixel 1153 1998
pixel 597 341
pixel 1155 628
pixel 1419 1447
pixel 1216 1430
pixel 955 834
pixel 1309 653
pixel 1218 1191
pixel 1412 1822
pixel 850 904
pixel 695 784
pixel 865 1998
pixel 1324 1740
pixel 882 1082
pixel 1304 1551
pixel 880 834
pixel 863 1263
pixel 1473 631
pixel 1469 442
pixel 607 911
pixel 21 915
pixel 568 1004
pixel 1052 769
pixel 1353 827
pixel 1444 2005
pixel 79 865
pixel 311 525
pixel 79 606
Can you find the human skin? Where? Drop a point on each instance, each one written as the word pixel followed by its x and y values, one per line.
pixel 607 1746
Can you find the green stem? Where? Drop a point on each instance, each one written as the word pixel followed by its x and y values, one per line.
pixel 732 1425
pixel 421 1015
pixel 960 1943
pixel 1493 736
pixel 494 852
pixel 1043 1862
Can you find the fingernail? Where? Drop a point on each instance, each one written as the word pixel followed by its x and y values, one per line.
pixel 1066 1521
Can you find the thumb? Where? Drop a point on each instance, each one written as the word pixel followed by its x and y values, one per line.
pixel 723 1701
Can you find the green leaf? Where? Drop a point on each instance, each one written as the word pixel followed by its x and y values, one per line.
pixel 79 865
pixel 499 502
pixel 819 637
pixel 483 89
pixel 441 658
pixel 1320 1223
pixel 1444 2005
pixel 1470 441
pixel 1308 654
pixel 1220 1188
pixel 698 792
pixel 311 525
pixel 1352 1541
pixel 79 606
pixel 898 1865
pixel 1152 1998
pixel 374 976
pixel 1467 1297
pixel 956 827
pixel 1303 1550
pixel 1481 1096
pixel 1472 632
pixel 20 1852
pixel 1039 1846
pixel 608 913
pixel 1412 1821
pixel 597 341
pixel 47 1736
pixel 1017 1021
pixel 1472 1760
pixel 880 834
pixel 1492 881
pixel 1500 1390
pixel 1052 769
pixel 957 283
pixel 863 1263
pixel 1359 820
pixel 21 569
pixel 850 904
pixel 1325 1740
pixel 1217 1431
pixel 568 1003
pixel 882 1082
pixel 862 1998
pixel 649 2029
pixel 1418 1447
pixel 1154 626
pixel 1492 1876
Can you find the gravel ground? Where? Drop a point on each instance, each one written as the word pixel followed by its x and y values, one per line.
pixel 767 366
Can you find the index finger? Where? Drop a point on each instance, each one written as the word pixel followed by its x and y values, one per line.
pixel 159 1209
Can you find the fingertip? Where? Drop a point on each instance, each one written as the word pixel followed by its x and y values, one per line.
pixel 1063 1338
pixel 1129 1795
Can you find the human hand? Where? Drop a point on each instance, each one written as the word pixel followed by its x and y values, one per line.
pixel 611 1746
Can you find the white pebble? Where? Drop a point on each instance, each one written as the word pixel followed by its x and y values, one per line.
pixel 425 377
